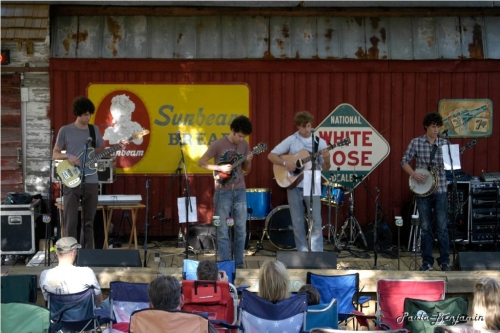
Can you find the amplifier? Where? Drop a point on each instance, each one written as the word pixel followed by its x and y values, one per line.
pixel 484 232
pixel 18 227
pixel 484 189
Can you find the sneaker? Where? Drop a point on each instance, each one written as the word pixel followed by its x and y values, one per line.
pixel 426 267
pixel 445 268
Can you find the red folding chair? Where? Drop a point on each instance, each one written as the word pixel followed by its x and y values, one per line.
pixel 391 296
pixel 217 299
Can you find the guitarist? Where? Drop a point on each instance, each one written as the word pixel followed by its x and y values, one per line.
pixel 427 150
pixel 72 138
pixel 296 142
pixel 231 201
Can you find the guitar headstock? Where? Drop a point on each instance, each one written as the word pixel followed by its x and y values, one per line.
pixel 261 147
pixel 343 142
pixel 139 134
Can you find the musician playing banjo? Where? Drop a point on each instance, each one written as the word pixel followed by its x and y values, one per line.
pixel 431 205
pixel 72 138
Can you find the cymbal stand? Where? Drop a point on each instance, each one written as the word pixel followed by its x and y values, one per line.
pixel 353 225
pixel 332 231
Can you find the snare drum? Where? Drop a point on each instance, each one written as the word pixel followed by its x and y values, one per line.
pixel 336 194
pixel 258 203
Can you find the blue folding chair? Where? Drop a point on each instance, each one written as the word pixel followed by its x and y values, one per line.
pixel 125 298
pixel 322 315
pixel 74 312
pixel 260 315
pixel 344 288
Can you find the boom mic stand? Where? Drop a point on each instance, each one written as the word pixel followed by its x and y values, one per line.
pixel 188 198
pixel 310 220
pixel 177 172
pixel 47 218
pixel 82 186
pixel 453 210
pixel 147 225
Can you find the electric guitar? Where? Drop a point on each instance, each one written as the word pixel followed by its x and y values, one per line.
pixel 70 174
pixel 227 178
pixel 302 162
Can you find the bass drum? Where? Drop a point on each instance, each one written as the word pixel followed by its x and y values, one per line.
pixel 279 228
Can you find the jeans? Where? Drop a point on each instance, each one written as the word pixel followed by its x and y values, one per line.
pixel 71 200
pixel 425 205
pixel 296 202
pixel 224 202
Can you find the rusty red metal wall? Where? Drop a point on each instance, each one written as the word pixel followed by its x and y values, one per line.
pixel 393 96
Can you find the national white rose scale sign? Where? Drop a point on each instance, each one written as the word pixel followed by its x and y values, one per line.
pixel 366 151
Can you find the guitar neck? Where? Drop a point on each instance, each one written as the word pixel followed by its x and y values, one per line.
pixel 105 152
pixel 316 154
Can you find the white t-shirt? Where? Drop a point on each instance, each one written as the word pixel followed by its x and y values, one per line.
pixel 68 279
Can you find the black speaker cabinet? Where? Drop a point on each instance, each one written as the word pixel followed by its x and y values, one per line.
pixel 468 261
pixel 202 236
pixel 310 260
pixel 18 227
pixel 108 258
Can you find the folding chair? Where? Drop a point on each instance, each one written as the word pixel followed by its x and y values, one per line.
pixel 25 317
pixel 217 298
pixel 125 298
pixel 19 288
pixel 74 312
pixel 158 321
pixel 322 315
pixel 391 295
pixel 344 288
pixel 429 314
pixel 260 315
pixel 460 329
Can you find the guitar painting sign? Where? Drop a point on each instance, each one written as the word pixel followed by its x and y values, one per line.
pixel 367 148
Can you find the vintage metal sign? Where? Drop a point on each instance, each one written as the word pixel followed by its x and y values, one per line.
pixel 198 113
pixel 367 149
pixel 467 118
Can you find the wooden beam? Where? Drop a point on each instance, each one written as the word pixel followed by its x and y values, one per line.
pixel 79 10
pixel 6 69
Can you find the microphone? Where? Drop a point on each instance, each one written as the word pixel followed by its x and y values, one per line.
pixel 89 140
pixel 376 189
pixel 159 217
pixel 179 135
pixel 443 133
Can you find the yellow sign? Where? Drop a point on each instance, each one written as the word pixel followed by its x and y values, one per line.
pixel 192 114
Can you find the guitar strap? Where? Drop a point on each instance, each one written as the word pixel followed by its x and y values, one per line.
pixel 433 154
pixel 92 134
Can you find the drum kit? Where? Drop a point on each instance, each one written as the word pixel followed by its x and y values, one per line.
pixel 279 228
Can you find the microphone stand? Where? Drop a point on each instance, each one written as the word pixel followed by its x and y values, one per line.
pixel 49 200
pixel 453 210
pixel 187 201
pixel 146 225
pixel 310 211
pixel 82 186
pixel 177 172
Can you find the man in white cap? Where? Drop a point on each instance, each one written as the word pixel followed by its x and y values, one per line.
pixel 67 278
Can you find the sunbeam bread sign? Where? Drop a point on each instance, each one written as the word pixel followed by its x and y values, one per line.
pixel 366 151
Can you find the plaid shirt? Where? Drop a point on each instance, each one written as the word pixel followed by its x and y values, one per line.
pixel 420 148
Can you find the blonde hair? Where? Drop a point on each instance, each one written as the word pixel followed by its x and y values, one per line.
pixel 274 282
pixel 487 304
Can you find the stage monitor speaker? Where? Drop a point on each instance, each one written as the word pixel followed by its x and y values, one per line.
pixel 310 260
pixel 468 261
pixel 202 236
pixel 108 258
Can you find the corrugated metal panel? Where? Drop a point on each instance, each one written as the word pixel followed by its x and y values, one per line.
pixel 329 37
pixel 393 96
pixel 449 38
pixel 424 38
pixel 285 37
pixel 400 38
pixel 492 38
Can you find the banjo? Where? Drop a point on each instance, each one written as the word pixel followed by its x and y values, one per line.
pixel 431 181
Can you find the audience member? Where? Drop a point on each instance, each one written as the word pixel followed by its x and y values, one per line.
pixel 66 278
pixel 313 296
pixel 274 282
pixel 487 304
pixel 209 271
pixel 165 294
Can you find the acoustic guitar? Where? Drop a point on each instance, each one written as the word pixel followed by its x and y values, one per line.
pixel 71 174
pixel 302 162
